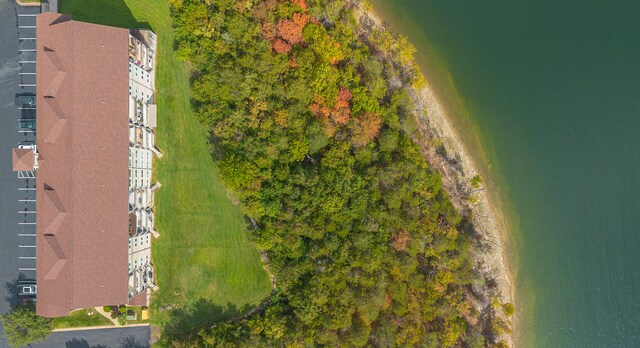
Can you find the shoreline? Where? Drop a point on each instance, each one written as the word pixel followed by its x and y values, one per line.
pixel 457 167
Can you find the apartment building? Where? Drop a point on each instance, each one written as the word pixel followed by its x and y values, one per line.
pixel 95 145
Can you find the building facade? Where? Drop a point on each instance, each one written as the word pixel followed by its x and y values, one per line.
pixel 142 124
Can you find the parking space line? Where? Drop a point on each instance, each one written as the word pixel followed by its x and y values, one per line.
pixel 26 108
pixel 26 234
pixel 26 27
pixel 26 269
pixel 26 38
pixel 27 85
pixel 27 257
pixel 26 223
pixel 26 200
pixel 26 246
pixel 27 73
pixel 26 212
pixel 26 189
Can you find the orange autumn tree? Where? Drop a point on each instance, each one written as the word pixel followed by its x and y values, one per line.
pixel 281 46
pixel 290 31
pixel 366 127
pixel 336 116
pixel 301 3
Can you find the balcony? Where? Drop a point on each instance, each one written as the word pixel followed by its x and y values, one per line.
pixel 140 279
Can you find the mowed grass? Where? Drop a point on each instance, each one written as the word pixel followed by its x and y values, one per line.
pixel 81 318
pixel 204 250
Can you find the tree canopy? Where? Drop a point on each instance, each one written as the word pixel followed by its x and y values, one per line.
pixel 313 126
pixel 23 326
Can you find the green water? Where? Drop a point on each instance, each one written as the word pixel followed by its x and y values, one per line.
pixel 553 87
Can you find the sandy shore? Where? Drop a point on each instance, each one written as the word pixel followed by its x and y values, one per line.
pixel 458 167
pixel 485 217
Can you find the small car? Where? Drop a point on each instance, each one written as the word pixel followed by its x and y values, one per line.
pixel 29 290
pixel 26 100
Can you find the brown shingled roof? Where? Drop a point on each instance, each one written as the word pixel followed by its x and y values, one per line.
pixel 82 188
pixel 23 159
pixel 139 299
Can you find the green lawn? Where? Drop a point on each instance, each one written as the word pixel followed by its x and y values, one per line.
pixel 204 250
pixel 80 318
pixel 138 311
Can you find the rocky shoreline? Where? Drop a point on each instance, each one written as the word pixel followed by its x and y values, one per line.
pixel 444 150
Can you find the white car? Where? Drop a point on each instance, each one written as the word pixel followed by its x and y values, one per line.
pixel 29 290
pixel 27 146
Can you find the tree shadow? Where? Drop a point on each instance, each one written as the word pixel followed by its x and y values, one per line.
pixel 130 342
pixel 13 298
pixel 126 342
pixel 198 315
pixel 81 343
pixel 106 12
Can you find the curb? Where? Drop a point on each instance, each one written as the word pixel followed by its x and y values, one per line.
pixel 28 3
pixel 86 328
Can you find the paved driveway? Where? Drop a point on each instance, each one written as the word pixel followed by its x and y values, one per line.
pixel 16 199
pixel 134 337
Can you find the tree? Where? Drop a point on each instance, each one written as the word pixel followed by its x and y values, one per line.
pixel 476 181
pixel 281 46
pixel 23 326
pixel 509 309
pixel 290 31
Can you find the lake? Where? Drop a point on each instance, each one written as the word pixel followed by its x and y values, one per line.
pixel 551 89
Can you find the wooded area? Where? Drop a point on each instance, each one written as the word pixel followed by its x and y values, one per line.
pixel 312 127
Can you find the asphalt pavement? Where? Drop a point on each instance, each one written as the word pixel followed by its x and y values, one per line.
pixel 131 337
pixel 17 200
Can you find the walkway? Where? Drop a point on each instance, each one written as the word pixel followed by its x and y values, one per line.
pixel 107 315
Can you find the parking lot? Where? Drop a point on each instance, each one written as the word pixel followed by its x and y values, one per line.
pixel 24 102
pixel 17 127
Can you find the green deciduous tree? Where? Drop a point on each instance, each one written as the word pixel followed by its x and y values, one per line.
pixel 23 326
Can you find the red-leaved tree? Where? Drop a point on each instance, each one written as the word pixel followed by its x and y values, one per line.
pixel 289 31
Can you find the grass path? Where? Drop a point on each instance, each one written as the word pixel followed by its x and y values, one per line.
pixel 204 250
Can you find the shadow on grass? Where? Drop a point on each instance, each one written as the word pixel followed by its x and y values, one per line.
pixel 106 12
pixel 200 314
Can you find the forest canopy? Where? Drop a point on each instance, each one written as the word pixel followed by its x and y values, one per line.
pixel 313 129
